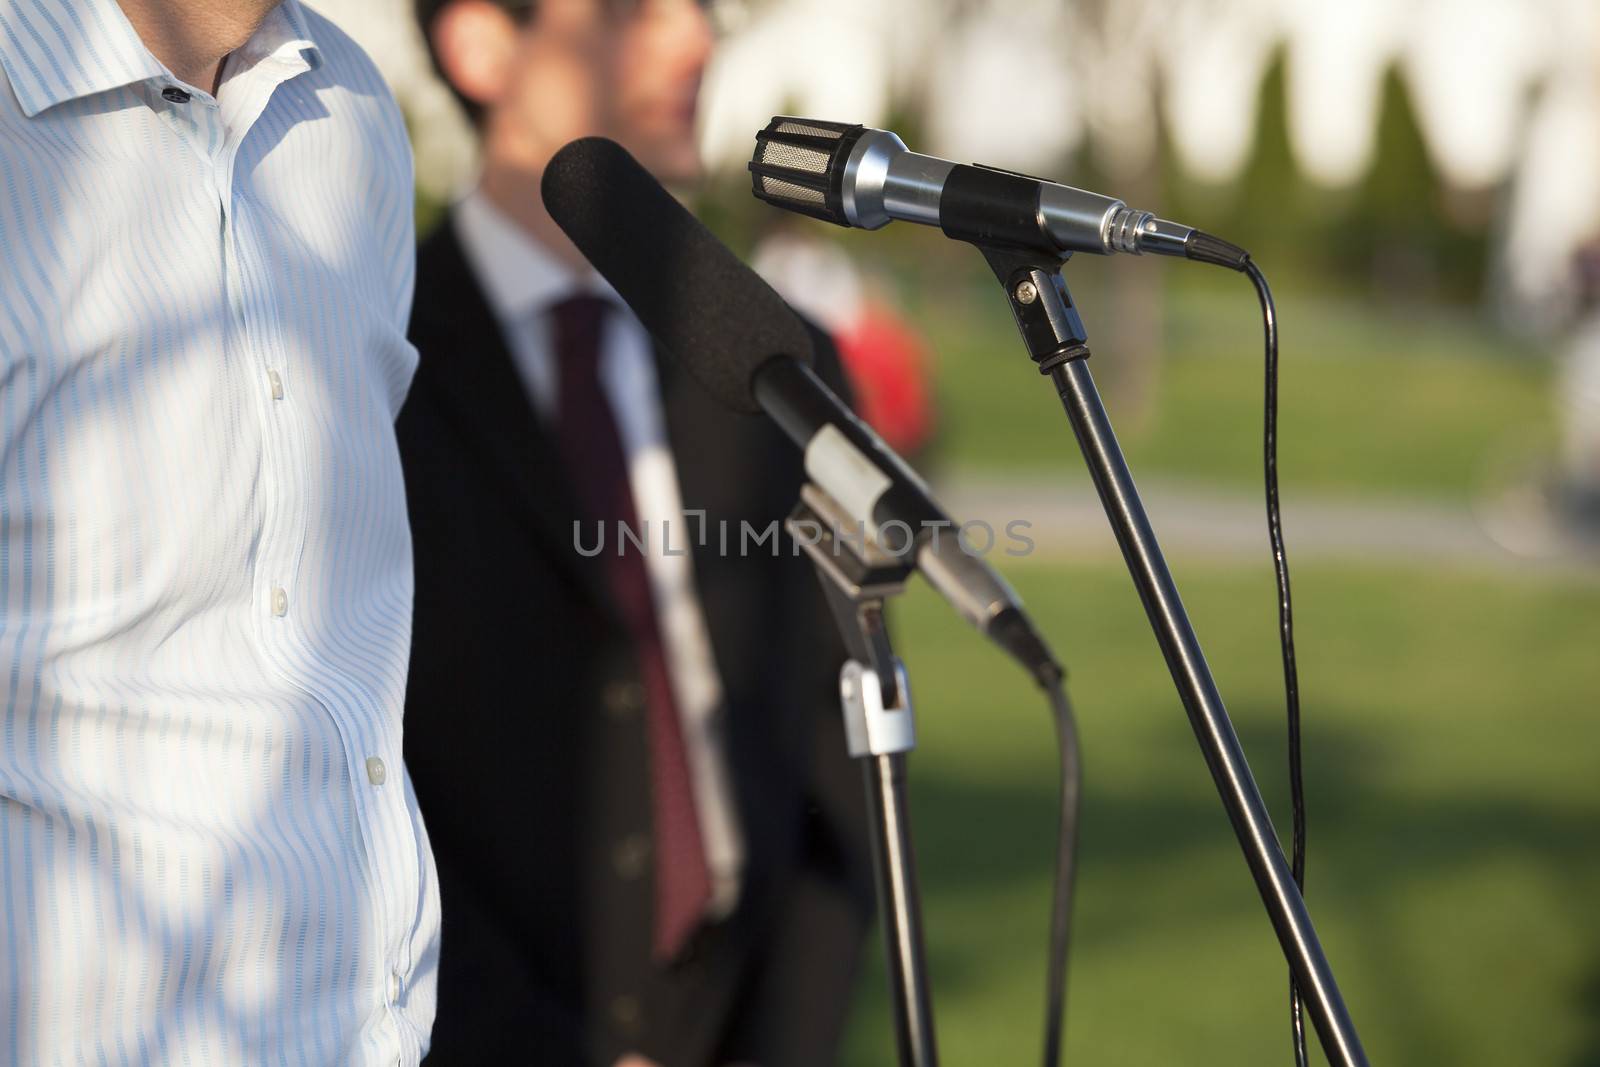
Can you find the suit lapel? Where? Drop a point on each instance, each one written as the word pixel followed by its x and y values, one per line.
pixel 477 384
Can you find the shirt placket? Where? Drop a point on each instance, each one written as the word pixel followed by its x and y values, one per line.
pixel 370 739
pixel 256 345
pixel 199 117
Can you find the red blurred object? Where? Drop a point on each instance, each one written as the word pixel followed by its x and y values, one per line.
pixel 888 365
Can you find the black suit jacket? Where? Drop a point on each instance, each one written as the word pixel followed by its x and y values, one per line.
pixel 525 732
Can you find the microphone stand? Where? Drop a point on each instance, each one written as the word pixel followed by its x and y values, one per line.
pixel 1056 340
pixel 857 578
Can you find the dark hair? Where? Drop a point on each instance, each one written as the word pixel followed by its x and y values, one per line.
pixel 428 11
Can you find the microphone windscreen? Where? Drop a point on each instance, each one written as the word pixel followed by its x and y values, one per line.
pixel 712 314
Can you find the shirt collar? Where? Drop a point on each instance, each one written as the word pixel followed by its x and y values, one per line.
pixel 519 275
pixel 283 36
pixel 59 50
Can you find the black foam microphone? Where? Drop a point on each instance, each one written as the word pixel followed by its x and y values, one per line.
pixel 857 176
pixel 727 327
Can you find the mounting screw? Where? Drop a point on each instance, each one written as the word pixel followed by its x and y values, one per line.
pixel 1027 293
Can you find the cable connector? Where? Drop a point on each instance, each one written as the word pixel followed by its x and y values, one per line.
pixel 1205 248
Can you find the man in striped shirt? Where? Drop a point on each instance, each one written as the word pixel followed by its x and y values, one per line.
pixel 210 852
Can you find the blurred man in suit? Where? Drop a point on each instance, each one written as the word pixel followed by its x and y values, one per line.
pixel 649 835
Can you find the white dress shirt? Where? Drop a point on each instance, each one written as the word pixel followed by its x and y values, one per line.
pixel 523 282
pixel 209 848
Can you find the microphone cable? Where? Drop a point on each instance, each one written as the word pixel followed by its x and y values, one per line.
pixel 1291 676
pixel 1054 684
pixel 1204 248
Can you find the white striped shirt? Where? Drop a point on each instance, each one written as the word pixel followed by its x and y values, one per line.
pixel 209 848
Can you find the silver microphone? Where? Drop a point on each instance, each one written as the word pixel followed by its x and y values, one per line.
pixel 861 177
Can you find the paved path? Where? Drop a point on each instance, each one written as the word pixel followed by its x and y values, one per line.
pixel 1513 533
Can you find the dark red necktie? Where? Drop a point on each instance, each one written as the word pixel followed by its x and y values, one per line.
pixel 597 466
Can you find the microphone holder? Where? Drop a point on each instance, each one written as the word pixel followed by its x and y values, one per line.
pixel 857 577
pixel 1057 341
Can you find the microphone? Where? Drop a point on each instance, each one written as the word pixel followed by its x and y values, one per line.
pixel 857 176
pixel 724 324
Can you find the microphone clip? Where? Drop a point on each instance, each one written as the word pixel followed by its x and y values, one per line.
pixel 858 576
pixel 1043 309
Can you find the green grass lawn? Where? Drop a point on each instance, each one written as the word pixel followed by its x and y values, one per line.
pixel 1375 399
pixel 1452 730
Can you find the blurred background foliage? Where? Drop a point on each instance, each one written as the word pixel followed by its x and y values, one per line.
pixel 1401 222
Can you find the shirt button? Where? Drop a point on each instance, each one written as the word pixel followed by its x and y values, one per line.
pixel 394 987
pixel 630 856
pixel 622 699
pixel 280 601
pixel 276 383
pixel 625 1013
pixel 174 95
pixel 376 772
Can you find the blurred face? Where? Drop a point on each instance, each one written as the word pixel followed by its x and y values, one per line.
pixel 625 69
pixel 661 56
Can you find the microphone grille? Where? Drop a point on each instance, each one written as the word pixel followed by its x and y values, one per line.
pixel 799 165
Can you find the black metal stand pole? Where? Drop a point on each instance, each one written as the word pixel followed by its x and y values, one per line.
pixel 896 876
pixel 875 698
pixel 1056 339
